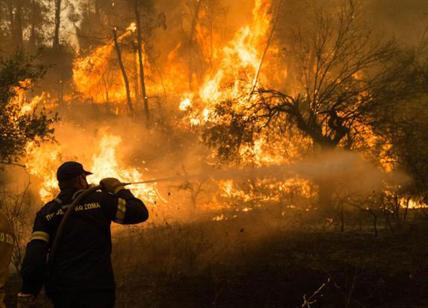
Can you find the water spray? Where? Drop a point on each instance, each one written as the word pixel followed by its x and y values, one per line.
pixel 166 179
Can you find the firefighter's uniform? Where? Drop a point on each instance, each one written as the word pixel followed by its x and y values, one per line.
pixel 6 249
pixel 81 274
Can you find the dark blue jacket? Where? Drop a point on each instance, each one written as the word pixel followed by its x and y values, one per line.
pixel 83 256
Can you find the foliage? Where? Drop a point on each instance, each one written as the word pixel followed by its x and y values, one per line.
pixel 18 208
pixel 17 128
pixel 406 126
pixel 403 122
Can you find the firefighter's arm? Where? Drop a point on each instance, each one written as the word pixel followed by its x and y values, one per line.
pixel 33 268
pixel 130 210
pixel 121 205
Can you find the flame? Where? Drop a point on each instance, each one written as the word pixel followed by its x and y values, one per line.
pixel 239 62
pixel 232 74
pixel 27 104
pixel 185 104
pixel 94 77
pixel 89 74
pixel 237 67
pixel 105 164
pixel 42 162
pixel 241 57
pixel 274 191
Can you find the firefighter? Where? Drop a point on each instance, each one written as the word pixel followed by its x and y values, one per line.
pixel 81 273
pixel 6 249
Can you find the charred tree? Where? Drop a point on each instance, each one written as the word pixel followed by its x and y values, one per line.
pixel 192 43
pixel 123 70
pixel 57 25
pixel 140 60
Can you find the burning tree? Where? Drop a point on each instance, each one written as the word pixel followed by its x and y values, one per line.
pixel 20 122
pixel 343 72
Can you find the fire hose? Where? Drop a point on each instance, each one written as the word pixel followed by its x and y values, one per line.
pixel 67 214
pixel 56 241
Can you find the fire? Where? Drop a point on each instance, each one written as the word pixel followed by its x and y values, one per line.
pixel 105 164
pixel 25 102
pixel 238 65
pixel 92 74
pixel 235 70
pixel 185 104
pixel 43 161
pixel 31 105
pixel 234 66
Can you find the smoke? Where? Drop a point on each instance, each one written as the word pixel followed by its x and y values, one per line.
pixel 405 20
pixel 348 171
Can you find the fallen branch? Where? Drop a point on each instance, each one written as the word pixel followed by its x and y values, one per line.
pixel 308 301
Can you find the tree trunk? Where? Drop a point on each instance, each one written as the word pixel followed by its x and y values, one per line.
pixel 32 42
pixel 140 61
pixel 55 43
pixel 136 80
pixel 406 209
pixel 122 68
pixel 191 43
pixel 19 35
pixel 15 15
pixel 11 20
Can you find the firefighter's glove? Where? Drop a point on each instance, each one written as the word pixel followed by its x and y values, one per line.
pixel 111 185
pixel 25 300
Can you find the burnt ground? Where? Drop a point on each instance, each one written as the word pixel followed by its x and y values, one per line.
pixel 248 262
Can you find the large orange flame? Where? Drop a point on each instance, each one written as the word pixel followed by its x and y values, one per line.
pixel 44 160
pixel 236 72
